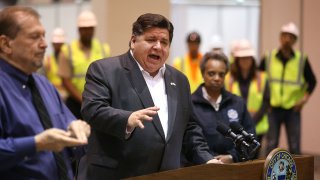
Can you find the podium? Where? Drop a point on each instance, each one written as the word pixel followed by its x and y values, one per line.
pixel 252 170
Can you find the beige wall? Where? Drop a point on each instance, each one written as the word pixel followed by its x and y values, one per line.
pixel 311 39
pixel 117 17
pixel 304 13
pixel 274 14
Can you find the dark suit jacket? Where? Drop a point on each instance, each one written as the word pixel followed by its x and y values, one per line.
pixel 115 88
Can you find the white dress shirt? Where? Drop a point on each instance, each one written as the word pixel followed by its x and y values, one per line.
pixel 214 104
pixel 157 88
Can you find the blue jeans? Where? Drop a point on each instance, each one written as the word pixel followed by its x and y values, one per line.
pixel 292 121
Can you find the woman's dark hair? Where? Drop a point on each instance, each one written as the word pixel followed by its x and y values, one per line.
pixel 213 56
pixel 9 23
pixel 235 69
pixel 149 20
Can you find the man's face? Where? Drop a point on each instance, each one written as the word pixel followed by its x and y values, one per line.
pixel 27 49
pixel 214 74
pixel 287 40
pixel 193 49
pixel 57 46
pixel 86 34
pixel 151 49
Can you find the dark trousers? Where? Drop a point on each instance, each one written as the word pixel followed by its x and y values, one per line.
pixel 292 122
pixel 74 106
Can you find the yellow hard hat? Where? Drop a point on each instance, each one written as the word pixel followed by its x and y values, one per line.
pixel 58 35
pixel 87 19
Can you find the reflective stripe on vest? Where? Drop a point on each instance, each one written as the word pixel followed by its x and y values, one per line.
pixel 287 84
pixel 80 62
pixel 255 97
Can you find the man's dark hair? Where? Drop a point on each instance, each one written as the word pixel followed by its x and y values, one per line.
pixel 9 23
pixel 149 20
pixel 216 57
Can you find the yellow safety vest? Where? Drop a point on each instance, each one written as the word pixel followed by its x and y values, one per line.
pixel 231 60
pixel 51 72
pixel 255 97
pixel 287 84
pixel 79 61
pixel 185 66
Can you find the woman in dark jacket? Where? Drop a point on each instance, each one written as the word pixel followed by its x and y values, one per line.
pixel 213 105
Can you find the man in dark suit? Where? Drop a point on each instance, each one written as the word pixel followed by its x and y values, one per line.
pixel 139 109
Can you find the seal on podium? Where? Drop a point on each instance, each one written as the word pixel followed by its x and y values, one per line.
pixel 280 165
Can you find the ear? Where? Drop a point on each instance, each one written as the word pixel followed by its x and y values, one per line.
pixel 5 45
pixel 132 41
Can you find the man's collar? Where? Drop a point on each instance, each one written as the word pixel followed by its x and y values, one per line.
pixel 281 56
pixel 13 71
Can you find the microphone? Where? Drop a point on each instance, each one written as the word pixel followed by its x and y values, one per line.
pixel 237 128
pixel 227 132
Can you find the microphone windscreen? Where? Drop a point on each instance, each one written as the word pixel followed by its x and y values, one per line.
pixel 236 127
pixel 223 129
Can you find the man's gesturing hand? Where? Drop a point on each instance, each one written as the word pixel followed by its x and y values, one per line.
pixel 55 140
pixel 137 117
pixel 80 130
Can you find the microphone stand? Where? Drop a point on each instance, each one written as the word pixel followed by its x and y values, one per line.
pixel 241 148
pixel 246 151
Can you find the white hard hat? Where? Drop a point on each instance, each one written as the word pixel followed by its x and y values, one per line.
pixel 87 19
pixel 244 49
pixel 58 35
pixel 290 28
pixel 234 46
pixel 216 42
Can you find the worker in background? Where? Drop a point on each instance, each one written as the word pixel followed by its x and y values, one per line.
pixel 76 58
pixel 292 81
pixel 235 46
pixel 247 81
pixel 189 64
pixel 50 64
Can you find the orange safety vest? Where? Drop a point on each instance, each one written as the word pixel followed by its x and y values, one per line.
pixel 191 68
